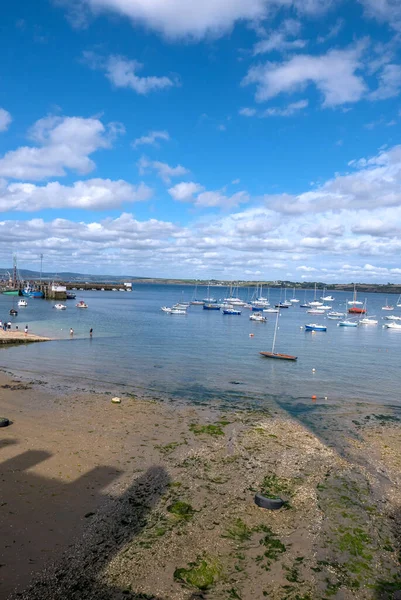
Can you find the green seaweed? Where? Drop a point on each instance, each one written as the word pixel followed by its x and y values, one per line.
pixel 239 531
pixel 273 486
pixel 182 510
pixel 201 574
pixel 213 430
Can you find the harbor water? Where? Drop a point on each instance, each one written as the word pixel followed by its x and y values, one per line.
pixel 205 356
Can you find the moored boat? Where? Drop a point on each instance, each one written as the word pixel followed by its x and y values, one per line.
pixel 368 321
pixel 277 355
pixel 258 318
pixel 60 306
pixel 392 325
pixel 81 304
pixel 387 306
pixel 22 303
pixel 231 311
pixel 211 306
pixel 347 323
pixel 315 327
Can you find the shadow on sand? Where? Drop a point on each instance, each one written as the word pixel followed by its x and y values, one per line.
pixel 42 517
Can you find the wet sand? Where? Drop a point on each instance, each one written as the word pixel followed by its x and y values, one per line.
pixel 144 499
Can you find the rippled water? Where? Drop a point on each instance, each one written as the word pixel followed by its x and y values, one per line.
pixel 206 355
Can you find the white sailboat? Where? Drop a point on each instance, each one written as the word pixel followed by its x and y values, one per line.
pixel 293 300
pixel 315 302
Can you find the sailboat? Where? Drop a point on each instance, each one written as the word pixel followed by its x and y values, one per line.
pixel 355 310
pixel 387 306
pixel 210 303
pixel 273 354
pixel 293 299
pixel 315 302
pixel 194 300
pixel 399 302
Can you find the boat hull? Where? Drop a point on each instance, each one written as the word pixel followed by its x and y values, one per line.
pixel 315 328
pixel 211 307
pixel 32 294
pixel 356 311
pixel 278 356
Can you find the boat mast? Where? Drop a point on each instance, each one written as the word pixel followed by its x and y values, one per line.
pixel 14 271
pixel 275 330
pixel 41 263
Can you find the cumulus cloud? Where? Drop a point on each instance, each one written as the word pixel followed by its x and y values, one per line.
pixel 184 191
pixel 94 194
pixel 195 193
pixel 163 170
pixel 123 73
pixel 179 18
pixel 151 138
pixel 334 74
pixel 5 119
pixel 64 143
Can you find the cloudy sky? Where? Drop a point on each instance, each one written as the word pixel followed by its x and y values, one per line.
pixel 214 139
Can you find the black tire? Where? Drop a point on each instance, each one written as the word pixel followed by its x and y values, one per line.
pixel 270 503
pixel 4 422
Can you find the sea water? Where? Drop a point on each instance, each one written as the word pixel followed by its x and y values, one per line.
pixel 205 356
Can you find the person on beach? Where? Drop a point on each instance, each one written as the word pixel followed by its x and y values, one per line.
pixel 71 331
pixel 26 329
pixel 9 325
pixel 90 332
pixel 16 327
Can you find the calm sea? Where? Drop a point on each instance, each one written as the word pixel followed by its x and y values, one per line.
pixel 206 356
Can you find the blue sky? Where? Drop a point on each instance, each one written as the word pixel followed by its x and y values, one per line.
pixel 221 139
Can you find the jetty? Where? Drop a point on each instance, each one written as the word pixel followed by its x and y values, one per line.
pixel 19 337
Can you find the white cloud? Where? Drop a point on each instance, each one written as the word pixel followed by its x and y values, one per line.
pixel 123 73
pixel 218 199
pixel 151 138
pixel 184 191
pixel 195 193
pixel 247 112
pixel 334 74
pixel 288 111
pixel 164 171
pixel 5 119
pixel 384 11
pixel 277 40
pixel 180 18
pixel 94 194
pixel 65 143
pixel 389 83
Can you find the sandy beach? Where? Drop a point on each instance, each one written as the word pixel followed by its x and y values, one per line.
pixel 145 499
pixel 20 337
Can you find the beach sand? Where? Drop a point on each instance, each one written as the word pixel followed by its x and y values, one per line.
pixel 145 499
pixel 19 337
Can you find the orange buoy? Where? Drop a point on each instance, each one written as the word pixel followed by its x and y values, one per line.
pixel 251 334
pixel 313 397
